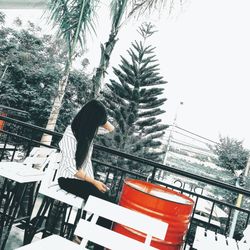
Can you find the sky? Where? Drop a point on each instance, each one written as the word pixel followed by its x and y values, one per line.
pixel 203 50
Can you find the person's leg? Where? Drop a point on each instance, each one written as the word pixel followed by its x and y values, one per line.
pixel 83 189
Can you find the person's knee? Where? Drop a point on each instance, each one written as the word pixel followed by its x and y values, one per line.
pixel 61 182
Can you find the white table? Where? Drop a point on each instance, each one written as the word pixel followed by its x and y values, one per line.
pixel 11 198
pixel 19 172
pixel 52 242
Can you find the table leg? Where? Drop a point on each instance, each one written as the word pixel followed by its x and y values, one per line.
pixel 11 202
pixel 36 222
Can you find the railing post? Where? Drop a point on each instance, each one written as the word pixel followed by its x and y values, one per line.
pixel 153 173
pixel 4 147
pixel 238 202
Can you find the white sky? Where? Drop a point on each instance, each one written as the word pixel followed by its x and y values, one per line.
pixel 204 54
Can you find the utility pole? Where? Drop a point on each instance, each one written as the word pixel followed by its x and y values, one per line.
pixel 239 200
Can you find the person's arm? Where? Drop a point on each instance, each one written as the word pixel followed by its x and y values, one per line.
pixel 67 147
pixel 81 174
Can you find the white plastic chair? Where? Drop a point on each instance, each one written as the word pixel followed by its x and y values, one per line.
pixel 246 235
pixel 51 191
pixel 50 187
pixel 38 157
pixel 207 240
pixel 90 231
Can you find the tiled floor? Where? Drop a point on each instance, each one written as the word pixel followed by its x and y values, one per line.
pixel 15 238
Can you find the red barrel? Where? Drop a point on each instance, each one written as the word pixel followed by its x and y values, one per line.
pixel 161 203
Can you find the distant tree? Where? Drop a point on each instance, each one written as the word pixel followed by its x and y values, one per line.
pixel 231 154
pixel 30 68
pixel 134 100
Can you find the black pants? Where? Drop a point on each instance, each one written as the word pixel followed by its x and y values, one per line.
pixel 84 189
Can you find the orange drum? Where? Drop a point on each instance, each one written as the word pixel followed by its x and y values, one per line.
pixel 1 121
pixel 161 203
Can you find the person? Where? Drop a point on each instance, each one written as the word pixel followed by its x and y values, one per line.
pixel 75 171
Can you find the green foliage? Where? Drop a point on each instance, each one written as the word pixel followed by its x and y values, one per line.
pixel 134 100
pixel 231 154
pixel 142 7
pixel 30 68
pixel 146 30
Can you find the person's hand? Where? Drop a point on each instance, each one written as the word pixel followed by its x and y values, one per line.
pixel 108 126
pixel 101 186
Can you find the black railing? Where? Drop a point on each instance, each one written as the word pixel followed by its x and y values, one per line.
pixel 18 137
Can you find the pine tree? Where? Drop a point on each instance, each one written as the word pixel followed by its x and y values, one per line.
pixel 134 102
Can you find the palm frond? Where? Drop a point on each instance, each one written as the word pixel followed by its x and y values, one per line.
pixel 141 7
pixel 73 19
pixel 117 10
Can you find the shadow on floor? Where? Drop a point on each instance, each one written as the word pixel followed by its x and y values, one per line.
pixel 15 239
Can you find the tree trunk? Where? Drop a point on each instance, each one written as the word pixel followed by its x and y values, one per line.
pixel 4 72
pixel 106 51
pixel 47 139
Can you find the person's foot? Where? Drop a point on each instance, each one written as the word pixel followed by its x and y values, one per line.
pixel 77 240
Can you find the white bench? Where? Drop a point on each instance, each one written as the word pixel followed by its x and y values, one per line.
pixel 207 240
pixel 105 237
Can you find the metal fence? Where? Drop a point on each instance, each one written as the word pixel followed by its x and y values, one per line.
pixel 212 210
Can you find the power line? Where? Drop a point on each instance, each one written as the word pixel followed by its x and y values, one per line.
pixel 177 132
pixel 189 145
pixel 196 134
pixel 185 135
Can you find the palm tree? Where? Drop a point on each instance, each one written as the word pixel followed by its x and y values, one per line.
pixel 117 11
pixel 73 17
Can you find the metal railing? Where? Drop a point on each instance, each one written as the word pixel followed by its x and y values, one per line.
pixel 18 137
